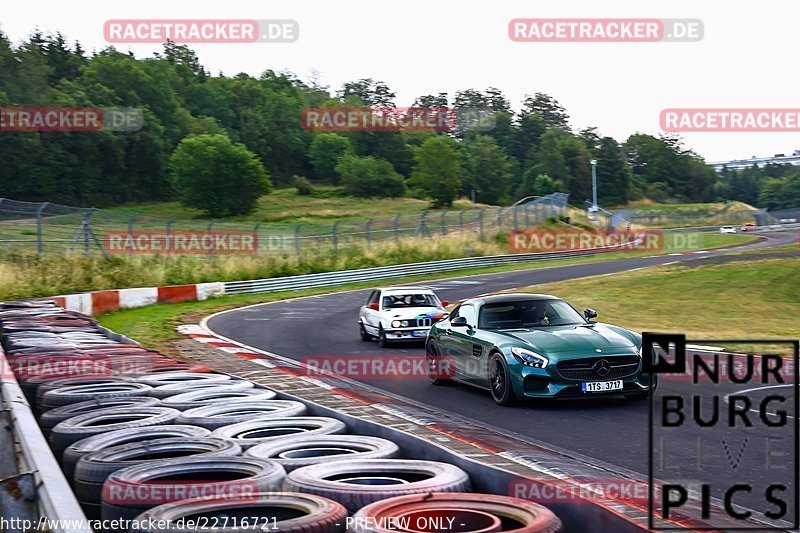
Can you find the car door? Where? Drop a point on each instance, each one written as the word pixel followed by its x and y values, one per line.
pixel 461 339
pixel 449 345
pixel 369 316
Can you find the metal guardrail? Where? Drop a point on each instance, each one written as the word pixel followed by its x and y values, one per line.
pixel 327 279
pixel 37 491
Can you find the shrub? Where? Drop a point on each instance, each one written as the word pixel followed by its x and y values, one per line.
pixel 302 185
pixel 213 174
pixel 370 177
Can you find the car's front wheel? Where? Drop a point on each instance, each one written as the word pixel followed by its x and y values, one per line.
pixel 500 381
pixel 366 337
pixel 437 368
pixel 383 342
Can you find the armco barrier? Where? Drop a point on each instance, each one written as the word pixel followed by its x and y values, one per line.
pixel 37 488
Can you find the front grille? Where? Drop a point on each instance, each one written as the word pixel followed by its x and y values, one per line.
pixel 584 369
pixel 423 322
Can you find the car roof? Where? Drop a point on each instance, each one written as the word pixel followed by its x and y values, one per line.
pixel 513 297
pixel 405 290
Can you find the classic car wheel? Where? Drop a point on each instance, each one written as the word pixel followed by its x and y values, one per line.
pixel 500 381
pixel 366 337
pixel 383 342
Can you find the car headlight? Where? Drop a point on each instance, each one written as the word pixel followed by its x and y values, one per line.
pixel 404 323
pixel 395 323
pixel 529 358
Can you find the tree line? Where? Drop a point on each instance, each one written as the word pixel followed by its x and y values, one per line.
pixel 206 137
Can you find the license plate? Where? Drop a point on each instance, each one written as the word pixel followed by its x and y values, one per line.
pixel 601 386
pixel 419 333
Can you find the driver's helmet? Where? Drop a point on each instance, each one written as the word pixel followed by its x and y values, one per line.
pixel 418 299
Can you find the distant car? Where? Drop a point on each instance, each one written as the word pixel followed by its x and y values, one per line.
pixel 394 314
pixel 748 226
pixel 727 229
pixel 534 346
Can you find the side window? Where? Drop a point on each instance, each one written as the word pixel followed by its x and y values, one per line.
pixel 373 298
pixel 454 313
pixel 468 312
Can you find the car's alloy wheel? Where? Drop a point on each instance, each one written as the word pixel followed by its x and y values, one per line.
pixel 500 381
pixel 434 364
pixel 363 331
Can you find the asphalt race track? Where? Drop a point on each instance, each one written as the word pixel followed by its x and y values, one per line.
pixel 611 430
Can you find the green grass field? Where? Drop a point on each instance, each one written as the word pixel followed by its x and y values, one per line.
pixel 756 299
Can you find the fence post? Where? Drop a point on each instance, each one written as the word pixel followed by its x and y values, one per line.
pixel 516 224
pixel 39 228
pixel 256 240
pixel 297 240
pixel 527 208
pixel 461 221
pixel 396 228
pixel 86 230
pixel 170 221
pixel 423 225
pixel 444 222
pixel 368 228
pixel 208 230
pixel 480 223
pixel 131 220
pixel 336 236
pixel 499 218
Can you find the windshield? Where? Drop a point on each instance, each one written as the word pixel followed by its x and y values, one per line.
pixel 528 314
pixel 399 301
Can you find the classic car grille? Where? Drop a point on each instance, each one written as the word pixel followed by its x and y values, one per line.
pixel 583 369
pixel 421 322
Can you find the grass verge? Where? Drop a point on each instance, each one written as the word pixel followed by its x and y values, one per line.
pixel 742 299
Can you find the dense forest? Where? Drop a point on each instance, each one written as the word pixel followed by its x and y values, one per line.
pixel 187 110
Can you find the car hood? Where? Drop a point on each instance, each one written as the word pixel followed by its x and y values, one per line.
pixel 573 339
pixel 406 313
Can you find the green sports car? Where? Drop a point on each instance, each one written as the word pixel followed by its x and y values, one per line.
pixel 534 346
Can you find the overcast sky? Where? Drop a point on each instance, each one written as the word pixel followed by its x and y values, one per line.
pixel 747 59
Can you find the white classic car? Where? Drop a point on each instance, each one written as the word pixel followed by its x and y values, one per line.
pixel 399 314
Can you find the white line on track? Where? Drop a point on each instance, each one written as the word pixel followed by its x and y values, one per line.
pixel 754 389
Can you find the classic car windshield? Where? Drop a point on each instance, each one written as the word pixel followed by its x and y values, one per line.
pixel 528 314
pixel 399 301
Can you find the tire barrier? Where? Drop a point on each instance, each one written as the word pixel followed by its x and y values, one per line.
pixel 284 512
pixel 93 469
pixel 217 416
pixel 139 435
pixel 52 417
pixel 78 449
pixel 302 451
pixel 214 395
pixel 252 432
pixel 173 389
pixel 79 427
pixel 129 492
pixel 466 512
pixel 356 483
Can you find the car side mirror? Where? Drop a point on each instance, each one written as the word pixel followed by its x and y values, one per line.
pixel 445 303
pixel 459 322
pixel 374 306
pixel 589 313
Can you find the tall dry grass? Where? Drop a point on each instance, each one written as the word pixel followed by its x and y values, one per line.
pixel 24 275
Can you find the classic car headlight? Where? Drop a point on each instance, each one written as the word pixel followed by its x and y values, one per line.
pixel 404 323
pixel 529 358
pixel 395 323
